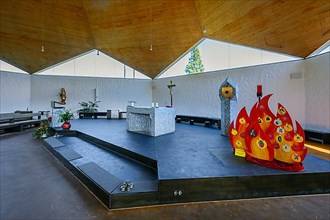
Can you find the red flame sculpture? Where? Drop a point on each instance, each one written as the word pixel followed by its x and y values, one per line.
pixel 268 139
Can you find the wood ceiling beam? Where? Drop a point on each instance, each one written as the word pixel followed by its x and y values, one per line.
pixel 25 26
pixel 296 27
pixel 125 29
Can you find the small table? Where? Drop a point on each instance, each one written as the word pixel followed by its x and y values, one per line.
pixel 121 115
pixel 45 113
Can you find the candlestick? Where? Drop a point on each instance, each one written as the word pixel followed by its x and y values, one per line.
pixel 259 91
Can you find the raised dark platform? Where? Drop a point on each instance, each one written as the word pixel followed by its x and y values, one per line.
pixel 193 164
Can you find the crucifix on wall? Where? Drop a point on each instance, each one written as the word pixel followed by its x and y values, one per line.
pixel 170 86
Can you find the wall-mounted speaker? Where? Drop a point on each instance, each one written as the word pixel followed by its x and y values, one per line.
pixel 296 76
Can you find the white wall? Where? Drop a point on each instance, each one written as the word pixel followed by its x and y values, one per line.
pixel 15 91
pixel 317 92
pixel 197 94
pixel 22 91
pixel 307 99
pixel 112 92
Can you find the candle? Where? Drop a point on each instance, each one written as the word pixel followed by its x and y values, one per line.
pixel 259 89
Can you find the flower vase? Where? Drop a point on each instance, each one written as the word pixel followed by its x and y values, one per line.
pixel 66 125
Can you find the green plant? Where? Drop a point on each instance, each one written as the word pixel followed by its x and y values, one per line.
pixel 88 106
pixel 195 64
pixel 42 131
pixel 65 115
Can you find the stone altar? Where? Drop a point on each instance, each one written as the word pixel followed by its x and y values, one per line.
pixel 150 121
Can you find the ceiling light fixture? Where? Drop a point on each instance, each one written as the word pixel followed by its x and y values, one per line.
pixel 204 29
pixel 151 29
pixel 42 28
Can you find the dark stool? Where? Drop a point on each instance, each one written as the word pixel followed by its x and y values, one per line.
pixel 109 113
pixel 121 115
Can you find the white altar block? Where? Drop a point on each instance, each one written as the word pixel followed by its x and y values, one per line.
pixel 150 121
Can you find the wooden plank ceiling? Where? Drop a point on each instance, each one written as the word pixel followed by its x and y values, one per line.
pixel 126 29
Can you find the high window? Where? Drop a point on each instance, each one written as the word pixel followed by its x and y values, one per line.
pixel 10 68
pixel 94 63
pixel 217 55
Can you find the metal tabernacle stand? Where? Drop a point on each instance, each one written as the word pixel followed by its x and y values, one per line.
pixel 228 93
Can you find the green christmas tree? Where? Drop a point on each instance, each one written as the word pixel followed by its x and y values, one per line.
pixel 195 64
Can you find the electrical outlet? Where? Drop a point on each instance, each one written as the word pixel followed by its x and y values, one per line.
pixel 177 192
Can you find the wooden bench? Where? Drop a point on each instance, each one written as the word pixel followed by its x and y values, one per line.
pixel 206 121
pixel 91 114
pixel 95 115
pixel 319 136
pixel 19 120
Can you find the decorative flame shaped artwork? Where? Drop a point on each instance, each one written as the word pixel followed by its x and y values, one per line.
pixel 268 139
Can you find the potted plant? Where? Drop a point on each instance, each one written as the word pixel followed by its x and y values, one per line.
pixel 65 116
pixel 42 131
pixel 88 106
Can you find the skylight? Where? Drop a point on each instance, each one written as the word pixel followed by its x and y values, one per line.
pixel 325 50
pixel 95 64
pixel 321 50
pixel 217 55
pixel 10 68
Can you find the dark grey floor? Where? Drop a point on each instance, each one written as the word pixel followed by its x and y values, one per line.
pixel 34 185
pixel 118 165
